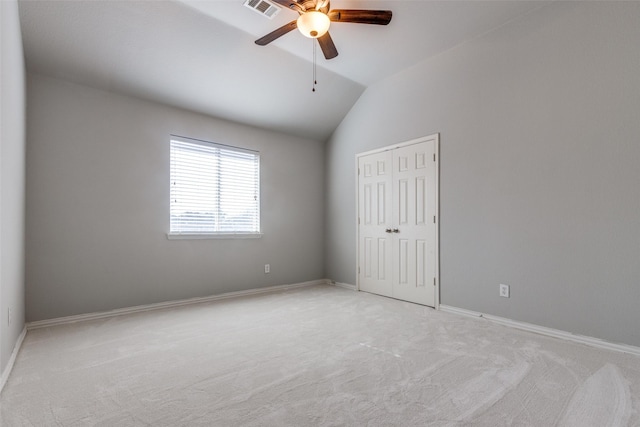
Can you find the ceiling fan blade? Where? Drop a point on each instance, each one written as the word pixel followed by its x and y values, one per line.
pixel 327 46
pixel 378 17
pixel 277 33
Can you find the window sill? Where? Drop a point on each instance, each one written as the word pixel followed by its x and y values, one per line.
pixel 213 236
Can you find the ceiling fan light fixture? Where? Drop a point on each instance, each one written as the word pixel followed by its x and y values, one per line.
pixel 313 24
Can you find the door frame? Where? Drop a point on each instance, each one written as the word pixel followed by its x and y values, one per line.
pixel 436 139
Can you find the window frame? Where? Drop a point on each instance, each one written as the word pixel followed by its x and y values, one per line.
pixel 199 235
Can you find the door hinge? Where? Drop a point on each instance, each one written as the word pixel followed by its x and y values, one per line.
pixel 434 219
pixel 358 269
pixel 358 171
pixel 358 220
pixel 434 157
pixel 434 281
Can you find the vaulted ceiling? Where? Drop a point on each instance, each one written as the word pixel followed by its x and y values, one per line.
pixel 201 56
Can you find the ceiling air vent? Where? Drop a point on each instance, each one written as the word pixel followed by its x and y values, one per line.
pixel 263 7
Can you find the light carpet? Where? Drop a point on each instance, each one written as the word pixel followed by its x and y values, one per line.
pixel 317 356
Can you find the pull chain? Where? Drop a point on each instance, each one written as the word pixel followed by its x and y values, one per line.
pixel 315 82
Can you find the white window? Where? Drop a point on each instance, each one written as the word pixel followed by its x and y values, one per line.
pixel 215 190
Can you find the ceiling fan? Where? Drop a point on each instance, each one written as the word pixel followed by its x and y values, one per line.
pixel 315 18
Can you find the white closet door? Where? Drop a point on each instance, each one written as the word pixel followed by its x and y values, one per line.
pixel 374 202
pixel 397 232
pixel 414 213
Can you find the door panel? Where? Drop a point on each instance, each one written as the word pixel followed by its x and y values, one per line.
pixel 416 225
pixel 402 268
pixel 374 215
pixel 421 271
pixel 383 256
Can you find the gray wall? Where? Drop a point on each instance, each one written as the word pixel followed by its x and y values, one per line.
pixel 539 169
pixel 98 200
pixel 12 181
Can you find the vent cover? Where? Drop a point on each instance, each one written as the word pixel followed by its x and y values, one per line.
pixel 263 7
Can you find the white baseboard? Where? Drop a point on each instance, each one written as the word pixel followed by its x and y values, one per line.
pixel 543 330
pixel 16 349
pixel 177 303
pixel 344 285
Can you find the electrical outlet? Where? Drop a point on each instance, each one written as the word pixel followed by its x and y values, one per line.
pixel 267 268
pixel 504 290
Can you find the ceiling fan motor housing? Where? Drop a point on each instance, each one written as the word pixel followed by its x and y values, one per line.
pixel 309 5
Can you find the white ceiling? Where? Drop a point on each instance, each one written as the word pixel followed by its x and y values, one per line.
pixel 200 55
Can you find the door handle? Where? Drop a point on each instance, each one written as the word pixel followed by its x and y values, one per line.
pixel 388 230
pixel 395 230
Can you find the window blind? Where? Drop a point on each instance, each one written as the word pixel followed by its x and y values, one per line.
pixel 215 189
